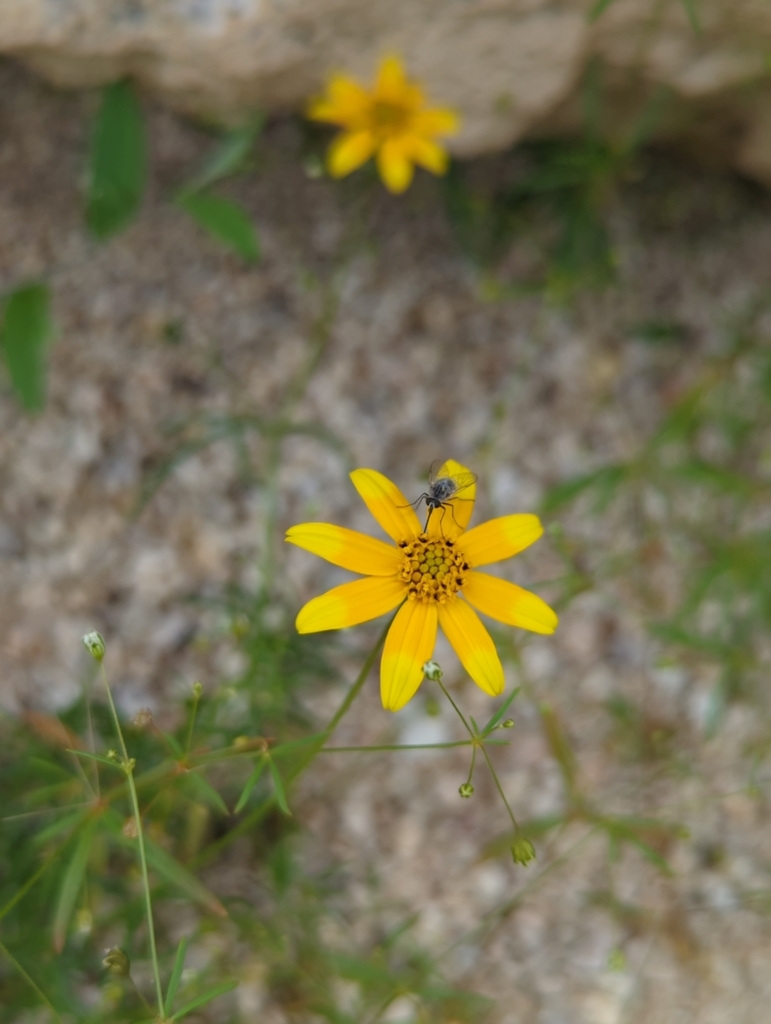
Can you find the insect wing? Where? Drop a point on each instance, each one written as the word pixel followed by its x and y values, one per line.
pixel 462 482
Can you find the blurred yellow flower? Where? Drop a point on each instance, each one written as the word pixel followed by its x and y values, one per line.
pixel 390 120
pixel 432 574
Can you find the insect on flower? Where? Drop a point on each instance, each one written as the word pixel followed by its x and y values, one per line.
pixel 429 574
pixel 442 489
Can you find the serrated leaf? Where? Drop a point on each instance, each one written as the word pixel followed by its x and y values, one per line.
pixel 227 221
pixel 26 332
pixel 72 881
pixel 251 782
pixel 207 997
pixel 498 715
pixel 118 165
pixel 176 974
pixel 278 785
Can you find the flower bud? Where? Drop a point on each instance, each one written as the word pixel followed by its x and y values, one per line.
pixel 432 670
pixel 507 723
pixel 94 643
pixel 522 851
pixel 197 690
pixel 142 719
pixel 466 790
pixel 116 962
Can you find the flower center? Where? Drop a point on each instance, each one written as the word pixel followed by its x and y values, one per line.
pixel 433 568
pixel 389 118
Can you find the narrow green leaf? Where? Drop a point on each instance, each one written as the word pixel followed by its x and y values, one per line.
pixel 176 974
pixel 200 790
pixel 279 787
pixel 207 997
pixel 598 8
pixel 169 868
pixel 70 887
pixel 96 757
pixel 501 711
pixel 26 331
pixel 229 156
pixel 118 162
pixel 227 221
pixel 693 17
pixel 563 493
pixel 474 723
pixel 251 782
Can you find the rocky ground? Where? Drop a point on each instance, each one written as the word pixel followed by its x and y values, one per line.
pixel 365 323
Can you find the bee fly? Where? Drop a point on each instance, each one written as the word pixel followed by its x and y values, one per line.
pixel 442 489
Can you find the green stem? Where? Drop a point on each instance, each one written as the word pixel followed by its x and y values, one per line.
pixel 129 770
pixel 353 693
pixel 480 743
pixel 30 981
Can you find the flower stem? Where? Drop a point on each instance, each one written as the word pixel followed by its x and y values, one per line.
pixel 353 693
pixel 128 767
pixel 479 742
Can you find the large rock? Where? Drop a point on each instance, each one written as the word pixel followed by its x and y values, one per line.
pixel 512 67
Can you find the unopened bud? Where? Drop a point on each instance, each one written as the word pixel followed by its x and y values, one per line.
pixel 432 670
pixel 112 755
pixel 507 723
pixel 116 962
pixel 466 790
pixel 94 643
pixel 197 690
pixel 522 851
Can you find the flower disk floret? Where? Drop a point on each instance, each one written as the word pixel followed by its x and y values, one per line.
pixel 430 575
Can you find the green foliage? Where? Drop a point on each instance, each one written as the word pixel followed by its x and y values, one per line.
pixel 224 219
pixel 26 332
pixel 118 164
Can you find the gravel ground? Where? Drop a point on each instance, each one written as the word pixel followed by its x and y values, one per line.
pixel 162 327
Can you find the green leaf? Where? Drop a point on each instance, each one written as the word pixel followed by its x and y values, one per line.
pixel 501 711
pixel 200 790
pixel 693 17
pixel 96 757
pixel 70 887
pixel 606 478
pixel 26 331
pixel 279 787
pixel 598 8
pixel 251 782
pixel 229 155
pixel 207 997
pixel 169 868
pixel 176 974
pixel 227 221
pixel 118 162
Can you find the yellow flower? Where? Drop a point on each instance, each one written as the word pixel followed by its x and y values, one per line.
pixel 390 120
pixel 432 574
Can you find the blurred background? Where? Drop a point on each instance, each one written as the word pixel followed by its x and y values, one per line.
pixel 203 333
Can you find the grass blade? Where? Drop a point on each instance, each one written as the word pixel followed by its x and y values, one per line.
pixel 251 782
pixel 26 331
pixel 228 222
pixel 599 7
pixel 279 787
pixel 118 162
pixel 70 887
pixel 207 997
pixel 176 974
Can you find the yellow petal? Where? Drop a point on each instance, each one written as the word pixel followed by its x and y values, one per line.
pixel 387 504
pixel 349 151
pixel 394 165
pixel 473 645
pixel 345 102
pixel 409 645
pixel 451 521
pixel 350 604
pixel 391 81
pixel 509 603
pixel 427 153
pixel 346 548
pixel 500 538
pixel 436 121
